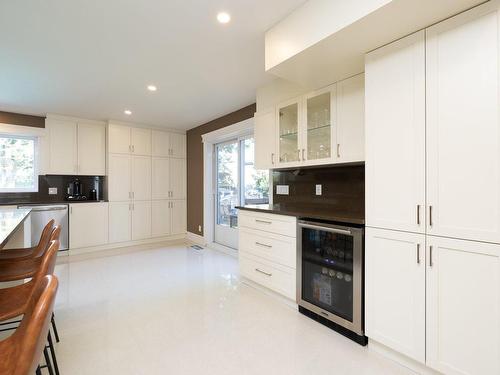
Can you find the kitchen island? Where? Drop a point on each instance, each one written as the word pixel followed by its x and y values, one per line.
pixel 11 220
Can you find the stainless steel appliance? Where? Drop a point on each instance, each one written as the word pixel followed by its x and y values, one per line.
pixel 330 276
pixel 42 214
pixel 75 191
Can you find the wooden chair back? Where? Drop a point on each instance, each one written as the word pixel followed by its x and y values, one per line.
pixel 21 351
pixel 45 238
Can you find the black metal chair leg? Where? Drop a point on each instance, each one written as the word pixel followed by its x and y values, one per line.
pixel 53 353
pixel 47 361
pixel 54 328
pixel 38 371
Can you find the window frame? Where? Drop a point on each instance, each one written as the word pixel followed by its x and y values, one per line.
pixel 36 163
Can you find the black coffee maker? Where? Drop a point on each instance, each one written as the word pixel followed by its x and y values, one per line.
pixel 75 191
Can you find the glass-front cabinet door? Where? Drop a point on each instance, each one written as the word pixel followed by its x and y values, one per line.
pixel 288 132
pixel 320 130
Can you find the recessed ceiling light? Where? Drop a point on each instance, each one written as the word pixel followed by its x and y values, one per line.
pixel 152 88
pixel 128 112
pixel 223 17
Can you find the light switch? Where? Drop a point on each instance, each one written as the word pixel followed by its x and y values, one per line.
pixel 319 189
pixel 52 191
pixel 282 189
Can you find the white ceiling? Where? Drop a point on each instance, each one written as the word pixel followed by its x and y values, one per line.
pixel 94 58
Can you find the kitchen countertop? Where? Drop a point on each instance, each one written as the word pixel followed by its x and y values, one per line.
pixel 311 212
pixel 10 220
pixel 47 203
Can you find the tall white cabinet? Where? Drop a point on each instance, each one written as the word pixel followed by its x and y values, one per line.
pixel 146 183
pixel 433 194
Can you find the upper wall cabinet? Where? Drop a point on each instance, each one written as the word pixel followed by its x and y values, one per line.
pixel 395 135
pixel 322 127
pixel 127 140
pixel 265 139
pixel 76 148
pixel 463 125
pixel 168 144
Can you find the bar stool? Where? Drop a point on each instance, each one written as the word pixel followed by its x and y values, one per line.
pixel 34 251
pixel 16 300
pixel 21 351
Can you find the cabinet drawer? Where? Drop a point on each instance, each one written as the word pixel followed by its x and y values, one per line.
pixel 275 277
pixel 279 224
pixel 272 247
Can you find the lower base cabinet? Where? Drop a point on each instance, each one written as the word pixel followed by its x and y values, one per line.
pixel 141 220
pixel 168 217
pixel 395 290
pixel 463 306
pixel 120 221
pixel 88 224
pixel 435 299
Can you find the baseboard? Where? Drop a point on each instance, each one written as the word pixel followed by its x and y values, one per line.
pixel 196 239
pixel 400 359
pixel 110 246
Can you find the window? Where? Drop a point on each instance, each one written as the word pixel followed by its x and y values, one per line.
pixel 254 182
pixel 18 166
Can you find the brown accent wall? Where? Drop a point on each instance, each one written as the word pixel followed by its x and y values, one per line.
pixel 195 163
pixel 24 120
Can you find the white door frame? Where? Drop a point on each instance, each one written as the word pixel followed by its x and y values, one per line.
pixel 238 130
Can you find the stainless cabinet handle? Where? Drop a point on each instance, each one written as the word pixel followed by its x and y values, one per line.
pixel 133 195
pixel 418 253
pixel 338 150
pixel 70 209
pixel 418 214
pixel 263 245
pixel 430 256
pixel 133 148
pixel 263 221
pixel 265 273
pixel 303 152
pixel 272 158
pixel 430 216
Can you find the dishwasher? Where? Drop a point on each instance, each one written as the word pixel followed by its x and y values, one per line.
pixel 42 214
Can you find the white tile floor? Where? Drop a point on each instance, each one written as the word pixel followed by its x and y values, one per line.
pixel 175 310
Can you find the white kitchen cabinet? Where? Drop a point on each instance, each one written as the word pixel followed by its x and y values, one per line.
pixel 265 139
pixel 289 133
pixel 395 290
pixel 463 306
pixel 140 141
pixel 129 140
pixel 350 127
pixel 141 220
pixel 119 140
pixel 395 135
pixel 177 145
pixel 119 177
pixel 63 154
pixel 178 177
pixel 463 126
pixel 120 222
pixel 179 216
pixel 160 178
pixel 318 128
pixel 141 178
pixel 160 142
pixel 161 218
pixel 88 224
pixel 91 149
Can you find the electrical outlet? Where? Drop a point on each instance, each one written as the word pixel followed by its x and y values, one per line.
pixel 282 189
pixel 199 228
pixel 318 189
pixel 52 191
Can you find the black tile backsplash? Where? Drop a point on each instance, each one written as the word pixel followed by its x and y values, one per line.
pixel 61 183
pixel 343 188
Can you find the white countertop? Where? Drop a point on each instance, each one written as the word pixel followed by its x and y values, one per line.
pixel 10 220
